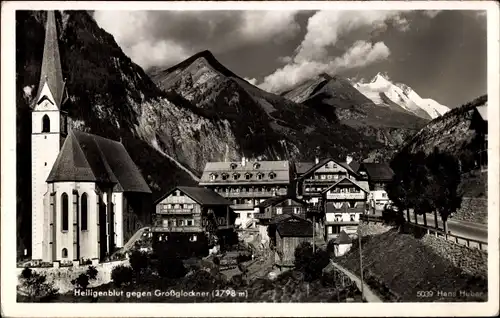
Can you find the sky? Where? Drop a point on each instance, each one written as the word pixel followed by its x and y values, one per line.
pixel 440 54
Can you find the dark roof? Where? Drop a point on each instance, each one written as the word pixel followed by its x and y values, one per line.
pixel 87 157
pixel 302 167
pixel 294 227
pixel 201 195
pixel 354 165
pixel 278 199
pixel 343 238
pixel 322 162
pixel 378 171
pixel 279 218
pixel 51 72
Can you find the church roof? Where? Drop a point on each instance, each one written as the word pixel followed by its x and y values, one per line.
pixel 91 158
pixel 51 72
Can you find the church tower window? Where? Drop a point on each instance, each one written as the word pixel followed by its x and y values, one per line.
pixel 65 212
pixel 64 253
pixel 45 124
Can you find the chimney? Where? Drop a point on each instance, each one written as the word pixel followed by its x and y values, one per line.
pixel 316 160
pixel 243 161
pixel 348 159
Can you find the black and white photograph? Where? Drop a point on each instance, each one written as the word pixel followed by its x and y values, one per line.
pixel 197 153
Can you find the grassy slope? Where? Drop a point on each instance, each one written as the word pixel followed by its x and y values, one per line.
pixel 405 265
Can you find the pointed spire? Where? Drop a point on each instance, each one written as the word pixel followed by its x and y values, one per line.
pixel 51 73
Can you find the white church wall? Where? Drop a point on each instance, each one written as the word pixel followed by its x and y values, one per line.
pixel 117 199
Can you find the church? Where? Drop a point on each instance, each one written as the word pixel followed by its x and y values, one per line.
pixel 88 196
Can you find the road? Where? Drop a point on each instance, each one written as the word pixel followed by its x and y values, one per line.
pixel 475 231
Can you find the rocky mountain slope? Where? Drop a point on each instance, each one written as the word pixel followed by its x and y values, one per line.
pixel 266 125
pixel 385 93
pixel 389 124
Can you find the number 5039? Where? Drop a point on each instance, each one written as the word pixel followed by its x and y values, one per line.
pixel 425 293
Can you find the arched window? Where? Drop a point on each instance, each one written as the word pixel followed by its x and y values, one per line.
pixel 84 214
pixel 65 212
pixel 64 253
pixel 45 124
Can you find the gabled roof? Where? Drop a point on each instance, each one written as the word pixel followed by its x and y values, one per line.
pixel 281 170
pixel 302 167
pixel 201 195
pixel 294 227
pixel 278 199
pixel 483 112
pixel 280 217
pixel 363 185
pixel 91 158
pixel 354 165
pixel 322 162
pixel 343 238
pixel 51 72
pixel 378 171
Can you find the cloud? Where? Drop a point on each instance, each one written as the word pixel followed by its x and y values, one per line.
pixel 252 81
pixel 324 30
pixel 161 38
pixel 360 54
pixel 431 13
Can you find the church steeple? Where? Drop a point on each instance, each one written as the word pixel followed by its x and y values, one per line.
pixel 52 86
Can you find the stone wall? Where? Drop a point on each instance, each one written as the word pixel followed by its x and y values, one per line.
pixel 62 277
pixel 473 210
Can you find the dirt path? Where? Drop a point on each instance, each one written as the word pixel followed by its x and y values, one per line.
pixel 370 296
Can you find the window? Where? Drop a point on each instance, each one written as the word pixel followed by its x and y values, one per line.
pixel 64 212
pixel 384 195
pixel 351 204
pixel 256 165
pixel 84 212
pixel 335 177
pixel 296 210
pixel 190 222
pixel 279 210
pixel 272 175
pixel 248 176
pixel 193 238
pixel 330 176
pixel 169 206
pixel 45 164
pixel 249 215
pixel 352 217
pixel 327 165
pixel 338 217
pixel 64 253
pixel 330 230
pixel 165 223
pixel 259 176
pixel 45 124
pixel 224 176
pixel 323 177
pixel 181 194
pixel 233 165
pixel 213 176
pixel 236 176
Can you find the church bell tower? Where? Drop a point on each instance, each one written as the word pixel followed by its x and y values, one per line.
pixel 48 127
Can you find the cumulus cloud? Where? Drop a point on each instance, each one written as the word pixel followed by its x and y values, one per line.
pixel 360 54
pixel 324 30
pixel 161 38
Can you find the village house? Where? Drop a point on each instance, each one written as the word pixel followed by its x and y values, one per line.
pixel 288 231
pixel 246 184
pixel 378 175
pixel 88 196
pixel 342 244
pixel 190 220
pixel 321 175
pixel 343 202
pixel 274 206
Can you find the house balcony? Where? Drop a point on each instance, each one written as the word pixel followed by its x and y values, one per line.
pixel 253 194
pixel 178 229
pixel 321 181
pixel 243 206
pixel 177 211
pixel 346 196
pixel 342 223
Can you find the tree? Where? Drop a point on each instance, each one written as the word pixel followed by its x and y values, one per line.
pixel 303 255
pixel 310 263
pixel 82 281
pixel 36 286
pixel 443 193
pixel 171 267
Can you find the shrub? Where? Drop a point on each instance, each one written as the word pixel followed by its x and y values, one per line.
pixel 82 281
pixel 122 275
pixel 36 286
pixel 92 272
pixel 138 261
pixel 171 267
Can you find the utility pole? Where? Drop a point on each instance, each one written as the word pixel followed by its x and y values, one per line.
pixel 361 264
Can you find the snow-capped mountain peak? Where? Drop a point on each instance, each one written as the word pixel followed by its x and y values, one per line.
pixel 382 90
